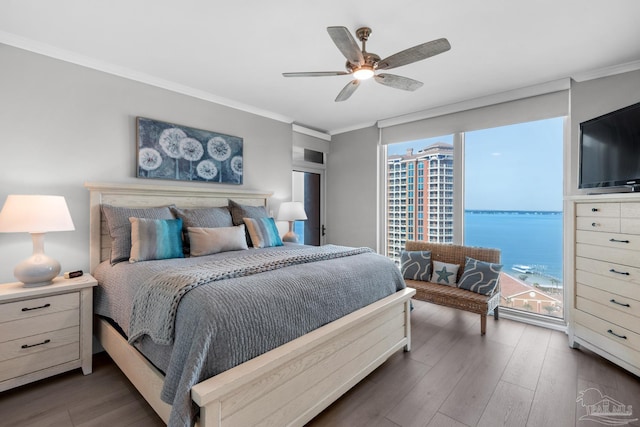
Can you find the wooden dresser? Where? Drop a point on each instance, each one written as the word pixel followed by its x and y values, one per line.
pixel 605 307
pixel 45 330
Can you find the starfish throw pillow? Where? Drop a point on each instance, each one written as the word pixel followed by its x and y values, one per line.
pixel 444 274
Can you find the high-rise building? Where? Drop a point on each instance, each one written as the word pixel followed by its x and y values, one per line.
pixel 419 197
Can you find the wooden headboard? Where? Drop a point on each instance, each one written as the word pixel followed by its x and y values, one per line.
pixel 143 195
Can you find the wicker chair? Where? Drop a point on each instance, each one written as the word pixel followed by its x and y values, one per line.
pixel 455 297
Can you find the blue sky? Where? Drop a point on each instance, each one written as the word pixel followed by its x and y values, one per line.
pixel 517 167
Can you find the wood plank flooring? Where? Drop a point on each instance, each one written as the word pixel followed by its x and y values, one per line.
pixel 516 375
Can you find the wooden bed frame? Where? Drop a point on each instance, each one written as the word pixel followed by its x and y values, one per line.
pixel 288 385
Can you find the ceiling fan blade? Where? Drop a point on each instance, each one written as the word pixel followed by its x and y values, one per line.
pixel 398 82
pixel 414 54
pixel 315 74
pixel 347 44
pixel 348 90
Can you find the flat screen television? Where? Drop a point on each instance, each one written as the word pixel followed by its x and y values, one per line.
pixel 610 150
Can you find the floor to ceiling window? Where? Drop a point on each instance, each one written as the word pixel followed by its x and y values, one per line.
pixel 513 201
pixel 512 196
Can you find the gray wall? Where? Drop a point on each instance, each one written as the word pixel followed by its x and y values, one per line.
pixel 63 125
pixel 352 174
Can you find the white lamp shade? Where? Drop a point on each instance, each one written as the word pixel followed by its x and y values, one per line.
pixel 291 211
pixel 35 214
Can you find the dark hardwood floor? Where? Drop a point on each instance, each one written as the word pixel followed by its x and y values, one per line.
pixel 516 375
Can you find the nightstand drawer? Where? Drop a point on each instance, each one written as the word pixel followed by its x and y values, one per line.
pixel 38 343
pixel 37 325
pixel 39 306
pixel 40 360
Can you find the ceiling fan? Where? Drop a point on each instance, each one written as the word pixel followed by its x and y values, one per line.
pixel 363 65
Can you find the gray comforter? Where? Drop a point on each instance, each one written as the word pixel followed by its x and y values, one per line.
pixel 223 323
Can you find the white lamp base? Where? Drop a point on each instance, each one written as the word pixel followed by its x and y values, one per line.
pixel 39 269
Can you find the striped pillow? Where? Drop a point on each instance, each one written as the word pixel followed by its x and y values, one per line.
pixel 263 232
pixel 155 239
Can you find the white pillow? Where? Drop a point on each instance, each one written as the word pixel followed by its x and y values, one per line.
pixel 206 241
pixel 444 274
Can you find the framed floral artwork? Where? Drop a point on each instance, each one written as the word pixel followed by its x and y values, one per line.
pixel 170 151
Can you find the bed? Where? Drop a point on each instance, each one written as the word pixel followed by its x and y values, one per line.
pixel 287 385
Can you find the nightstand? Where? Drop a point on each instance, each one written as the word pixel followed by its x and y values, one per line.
pixel 45 330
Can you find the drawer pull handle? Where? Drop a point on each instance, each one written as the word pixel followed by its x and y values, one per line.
pixel 618 241
pixel 36 308
pixel 624 273
pixel 619 303
pixel 593 224
pixel 47 341
pixel 594 209
pixel 624 337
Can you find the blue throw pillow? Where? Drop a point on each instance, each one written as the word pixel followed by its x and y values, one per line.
pixel 416 265
pixel 155 239
pixel 263 232
pixel 480 276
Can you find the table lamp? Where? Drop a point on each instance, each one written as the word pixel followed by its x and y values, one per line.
pixel 36 215
pixel 291 211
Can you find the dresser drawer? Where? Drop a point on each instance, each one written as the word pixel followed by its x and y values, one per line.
pixel 608 282
pixel 630 225
pixel 38 343
pixel 611 240
pixel 609 313
pixel 614 255
pixel 624 345
pixel 604 224
pixel 37 325
pixel 38 306
pixel 630 210
pixel 38 361
pixel 598 210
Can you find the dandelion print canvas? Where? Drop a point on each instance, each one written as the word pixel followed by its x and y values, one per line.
pixel 169 151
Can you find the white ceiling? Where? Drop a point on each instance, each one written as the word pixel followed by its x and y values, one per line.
pixel 235 52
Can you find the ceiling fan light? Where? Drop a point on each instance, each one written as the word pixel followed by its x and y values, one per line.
pixel 363 73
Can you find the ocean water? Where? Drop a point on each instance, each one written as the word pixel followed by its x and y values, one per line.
pixel 527 238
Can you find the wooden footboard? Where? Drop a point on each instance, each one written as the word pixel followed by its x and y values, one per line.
pixel 291 384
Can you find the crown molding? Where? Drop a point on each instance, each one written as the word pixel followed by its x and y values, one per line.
pixel 607 71
pixel 95 64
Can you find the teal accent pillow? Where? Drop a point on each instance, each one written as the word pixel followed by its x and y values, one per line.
pixel 263 232
pixel 155 239
pixel 480 276
pixel 444 273
pixel 119 226
pixel 416 265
